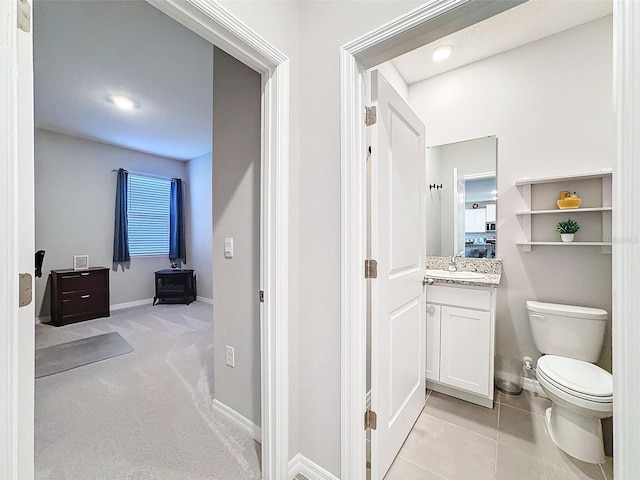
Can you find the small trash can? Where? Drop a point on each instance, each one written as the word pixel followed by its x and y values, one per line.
pixel 509 376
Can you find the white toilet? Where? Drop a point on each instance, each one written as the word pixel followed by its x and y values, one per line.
pixel 581 393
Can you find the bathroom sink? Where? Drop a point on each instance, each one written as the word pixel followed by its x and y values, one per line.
pixel 454 275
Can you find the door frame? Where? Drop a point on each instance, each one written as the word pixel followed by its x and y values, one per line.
pixel 429 22
pixel 214 23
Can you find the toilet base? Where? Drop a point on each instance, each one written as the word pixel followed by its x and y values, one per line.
pixel 576 435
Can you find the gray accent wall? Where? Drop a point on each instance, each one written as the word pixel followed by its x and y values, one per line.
pixel 75 204
pixel 236 214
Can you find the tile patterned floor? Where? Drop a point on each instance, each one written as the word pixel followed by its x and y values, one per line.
pixel 456 440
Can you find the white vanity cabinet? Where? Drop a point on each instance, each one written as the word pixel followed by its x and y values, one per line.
pixel 460 341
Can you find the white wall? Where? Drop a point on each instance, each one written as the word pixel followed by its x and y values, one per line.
pixel 550 105
pixel 313 48
pixel 434 202
pixel 236 214
pixel 75 206
pixel 200 224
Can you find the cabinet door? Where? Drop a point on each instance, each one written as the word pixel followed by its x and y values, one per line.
pixel 465 349
pixel 474 220
pixel 432 371
pixel 491 213
pixel 469 220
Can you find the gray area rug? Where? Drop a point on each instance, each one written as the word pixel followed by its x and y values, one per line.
pixel 65 356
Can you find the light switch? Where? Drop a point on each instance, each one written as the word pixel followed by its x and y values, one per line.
pixel 228 247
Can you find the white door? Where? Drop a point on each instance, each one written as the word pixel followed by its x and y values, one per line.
pixel 16 246
pixel 398 244
pixel 459 213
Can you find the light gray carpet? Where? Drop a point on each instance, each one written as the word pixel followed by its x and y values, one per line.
pixel 142 416
pixel 77 353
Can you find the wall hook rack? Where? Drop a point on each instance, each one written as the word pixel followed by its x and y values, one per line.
pixel 437 187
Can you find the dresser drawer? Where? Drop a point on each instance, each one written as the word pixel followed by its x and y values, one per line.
pixel 81 303
pixel 460 297
pixel 90 280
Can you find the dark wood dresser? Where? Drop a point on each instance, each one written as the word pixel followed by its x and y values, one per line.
pixel 175 286
pixel 78 295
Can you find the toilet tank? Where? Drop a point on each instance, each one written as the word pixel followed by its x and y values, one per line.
pixel 568 330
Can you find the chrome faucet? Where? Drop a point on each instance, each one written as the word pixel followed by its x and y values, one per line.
pixel 451 265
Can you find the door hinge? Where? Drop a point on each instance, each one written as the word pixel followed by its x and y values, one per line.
pixel 261 296
pixel 370 420
pixel 24 15
pixel 370 116
pixel 370 269
pixel 25 289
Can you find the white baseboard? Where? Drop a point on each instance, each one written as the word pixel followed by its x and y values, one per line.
pixel 204 300
pixel 301 464
pixel 533 385
pixel 244 423
pixel 136 303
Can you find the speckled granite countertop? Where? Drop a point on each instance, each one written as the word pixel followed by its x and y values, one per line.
pixel 492 269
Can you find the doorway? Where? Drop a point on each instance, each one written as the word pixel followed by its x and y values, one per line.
pixel 167 134
pixel 272 66
pixel 357 58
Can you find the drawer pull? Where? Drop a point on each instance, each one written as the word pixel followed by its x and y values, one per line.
pixel 85 296
pixel 84 274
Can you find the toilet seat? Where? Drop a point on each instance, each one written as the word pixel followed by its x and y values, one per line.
pixel 577 378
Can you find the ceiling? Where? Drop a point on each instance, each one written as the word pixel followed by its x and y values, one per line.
pixel 85 51
pixel 513 28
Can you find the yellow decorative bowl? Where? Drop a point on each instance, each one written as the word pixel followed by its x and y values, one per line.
pixel 569 203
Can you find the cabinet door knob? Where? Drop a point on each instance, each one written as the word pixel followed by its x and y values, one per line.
pixel 427 281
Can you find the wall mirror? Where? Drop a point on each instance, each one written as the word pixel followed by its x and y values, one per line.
pixel 462 198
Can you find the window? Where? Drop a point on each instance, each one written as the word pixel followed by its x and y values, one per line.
pixel 148 215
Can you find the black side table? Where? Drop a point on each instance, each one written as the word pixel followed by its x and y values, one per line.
pixel 175 286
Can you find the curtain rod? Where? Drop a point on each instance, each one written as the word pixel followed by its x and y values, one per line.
pixel 147 175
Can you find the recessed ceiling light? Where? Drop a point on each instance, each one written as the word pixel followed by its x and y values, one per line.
pixel 125 103
pixel 442 52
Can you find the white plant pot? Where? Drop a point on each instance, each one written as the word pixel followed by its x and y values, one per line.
pixel 567 237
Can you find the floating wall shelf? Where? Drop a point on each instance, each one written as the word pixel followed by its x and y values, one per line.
pixel 604 209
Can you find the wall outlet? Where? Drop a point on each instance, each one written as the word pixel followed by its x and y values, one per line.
pixel 231 358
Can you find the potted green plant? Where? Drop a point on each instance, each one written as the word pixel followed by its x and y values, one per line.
pixel 567 229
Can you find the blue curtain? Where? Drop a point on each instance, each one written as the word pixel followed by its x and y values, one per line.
pixel 177 244
pixel 120 229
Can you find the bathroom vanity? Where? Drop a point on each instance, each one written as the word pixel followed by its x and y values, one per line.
pixel 460 329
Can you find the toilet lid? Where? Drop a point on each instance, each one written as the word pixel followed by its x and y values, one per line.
pixel 570 374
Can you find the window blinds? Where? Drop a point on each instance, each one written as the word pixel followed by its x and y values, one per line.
pixel 148 212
